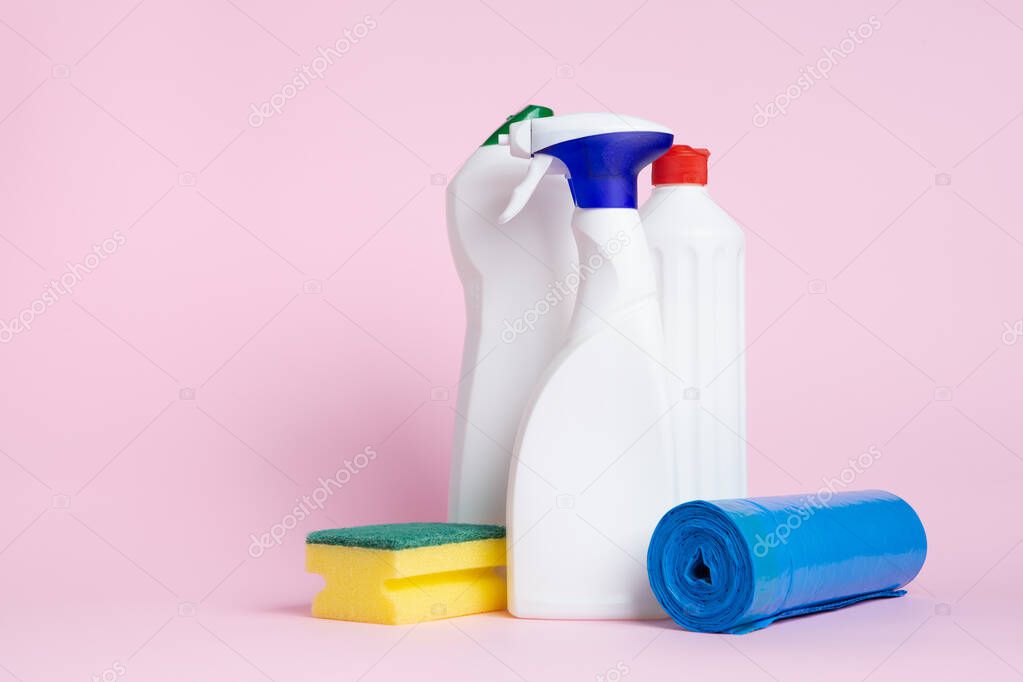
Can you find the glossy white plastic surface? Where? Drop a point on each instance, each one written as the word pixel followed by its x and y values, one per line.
pixel 517 315
pixel 593 470
pixel 699 257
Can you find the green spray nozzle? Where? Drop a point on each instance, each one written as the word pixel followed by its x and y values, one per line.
pixel 531 111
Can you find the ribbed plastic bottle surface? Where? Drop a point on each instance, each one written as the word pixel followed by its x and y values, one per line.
pixel 699 255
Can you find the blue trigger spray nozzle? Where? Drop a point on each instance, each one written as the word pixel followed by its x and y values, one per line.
pixel 600 154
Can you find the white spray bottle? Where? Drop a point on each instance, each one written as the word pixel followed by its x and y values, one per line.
pixel 517 314
pixel 593 470
pixel 699 254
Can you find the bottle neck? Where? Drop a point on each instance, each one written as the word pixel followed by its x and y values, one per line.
pixel 682 187
pixel 615 267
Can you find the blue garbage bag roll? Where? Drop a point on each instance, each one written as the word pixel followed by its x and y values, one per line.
pixel 739 565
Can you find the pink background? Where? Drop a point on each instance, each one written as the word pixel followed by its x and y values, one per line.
pixel 284 298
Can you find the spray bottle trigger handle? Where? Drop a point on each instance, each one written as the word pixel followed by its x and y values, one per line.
pixel 520 195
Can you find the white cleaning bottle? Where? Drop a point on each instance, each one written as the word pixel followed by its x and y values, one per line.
pixel 699 254
pixel 592 472
pixel 517 314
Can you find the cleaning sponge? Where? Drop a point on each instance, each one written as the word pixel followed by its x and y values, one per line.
pixel 408 572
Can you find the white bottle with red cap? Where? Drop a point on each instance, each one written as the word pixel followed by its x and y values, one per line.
pixel 699 256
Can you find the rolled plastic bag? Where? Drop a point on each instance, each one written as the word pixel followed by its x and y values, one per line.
pixel 739 565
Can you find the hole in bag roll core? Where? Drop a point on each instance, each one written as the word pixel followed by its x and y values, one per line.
pixel 698 569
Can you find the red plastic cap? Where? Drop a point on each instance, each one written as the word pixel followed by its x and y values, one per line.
pixel 681 165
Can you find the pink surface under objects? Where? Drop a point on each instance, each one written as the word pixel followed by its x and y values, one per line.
pixel 225 274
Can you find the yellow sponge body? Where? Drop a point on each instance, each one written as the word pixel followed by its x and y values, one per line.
pixel 395 587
